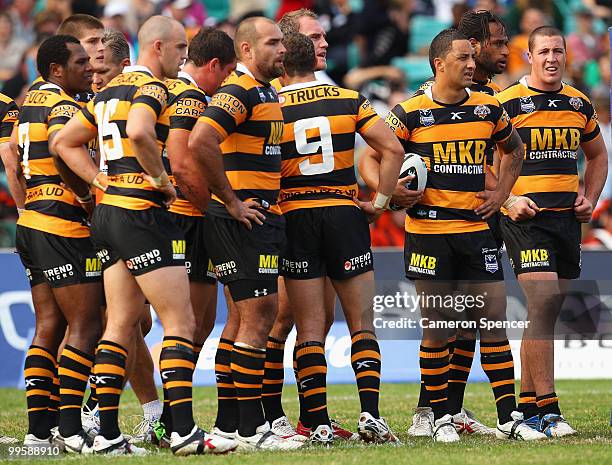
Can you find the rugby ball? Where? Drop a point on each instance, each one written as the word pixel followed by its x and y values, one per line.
pixel 413 165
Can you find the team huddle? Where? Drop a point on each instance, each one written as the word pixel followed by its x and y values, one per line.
pixel 232 161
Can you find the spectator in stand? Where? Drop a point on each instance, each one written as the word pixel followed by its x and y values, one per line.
pixel 586 48
pixel 600 237
pixel 518 64
pixel 458 9
pixel 339 23
pixel 11 48
pixel 62 7
pixel 189 13
pixel 241 9
pixel 21 12
pixel 549 9
pixel 383 31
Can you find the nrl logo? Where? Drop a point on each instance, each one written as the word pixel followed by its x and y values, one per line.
pixel 576 102
pixel 527 105
pixel 482 111
pixel 426 117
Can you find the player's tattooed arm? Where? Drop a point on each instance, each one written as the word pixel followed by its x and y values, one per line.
pixel 513 149
pixel 511 154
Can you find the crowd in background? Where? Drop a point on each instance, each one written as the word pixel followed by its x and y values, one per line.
pixel 378 47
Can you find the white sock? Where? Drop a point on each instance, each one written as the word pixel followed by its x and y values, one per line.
pixel 152 410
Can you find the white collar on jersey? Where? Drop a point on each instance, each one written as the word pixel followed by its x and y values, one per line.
pixel 430 95
pixel 183 74
pixel 50 85
pixel 131 69
pixel 524 82
pixel 301 85
pixel 243 69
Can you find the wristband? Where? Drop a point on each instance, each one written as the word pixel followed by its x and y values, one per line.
pixel 381 201
pixel 510 201
pixel 85 199
pixel 160 181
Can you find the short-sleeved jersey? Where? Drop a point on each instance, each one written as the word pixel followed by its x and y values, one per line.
pixel 108 113
pixel 318 159
pixel 246 112
pixel 488 87
pixel 49 207
pixel 186 103
pixel 552 126
pixel 8 116
pixel 453 140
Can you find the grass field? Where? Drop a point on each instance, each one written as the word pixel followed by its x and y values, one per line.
pixel 586 404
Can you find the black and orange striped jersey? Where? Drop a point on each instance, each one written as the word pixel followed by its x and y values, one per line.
pixel 488 87
pixel 246 112
pixel 9 112
pixel 552 126
pixel 318 159
pixel 108 113
pixel 186 103
pixel 453 141
pixel 49 207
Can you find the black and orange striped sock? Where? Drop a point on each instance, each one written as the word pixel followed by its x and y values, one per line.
pixel 423 399
pixel 459 371
pixel 166 416
pixel 54 398
pixel 274 377
pixel 74 369
pixel 312 372
pixel 548 403
pixel 527 404
pixel 248 372
pixel 303 418
pixel 227 404
pixel 109 368
pixel 176 367
pixel 39 370
pixel 197 349
pixel 434 365
pixel 450 343
pixel 498 364
pixel 365 360
pixel 92 400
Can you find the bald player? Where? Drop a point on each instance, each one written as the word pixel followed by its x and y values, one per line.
pixel 137 241
pixel 238 140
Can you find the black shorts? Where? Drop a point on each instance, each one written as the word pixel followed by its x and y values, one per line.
pixel 197 260
pixel 60 261
pixel 144 239
pixel 495 226
pixel 239 254
pixel 548 242
pixel 469 256
pixel 326 241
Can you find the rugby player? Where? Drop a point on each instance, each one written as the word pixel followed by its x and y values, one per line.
pixel 139 366
pixel 447 237
pixel 327 235
pixel 53 242
pixel 138 243
pixel 238 140
pixel 554 121
pixel 306 22
pixel 90 33
pixel 211 59
pixel 487 34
